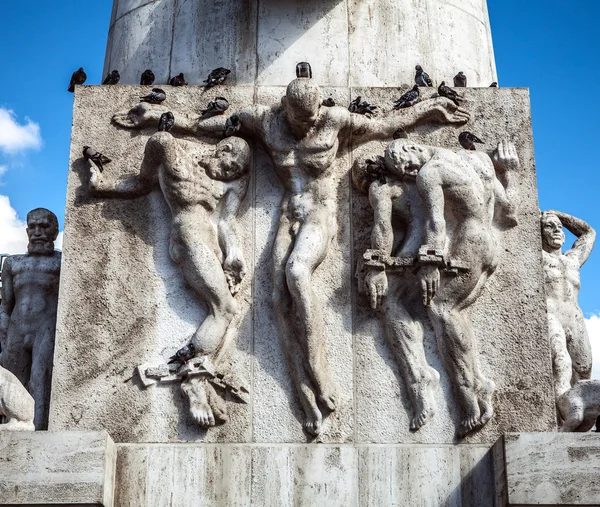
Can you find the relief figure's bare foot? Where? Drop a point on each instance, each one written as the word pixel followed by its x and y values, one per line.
pixel 329 397
pixel 422 394
pixel 313 418
pixel 485 393
pixel 217 404
pixel 195 389
pixel 472 415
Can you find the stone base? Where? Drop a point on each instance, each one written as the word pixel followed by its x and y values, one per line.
pixel 57 468
pixel 156 475
pixel 552 468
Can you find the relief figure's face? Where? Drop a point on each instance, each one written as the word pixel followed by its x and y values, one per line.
pixel 553 236
pixel 42 230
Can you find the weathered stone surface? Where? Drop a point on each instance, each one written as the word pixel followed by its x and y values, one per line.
pixel 349 42
pixel 552 468
pixel 64 468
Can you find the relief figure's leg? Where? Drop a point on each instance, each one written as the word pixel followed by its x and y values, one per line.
pixel 16 357
pixel 580 349
pixel 40 381
pixel 561 361
pixel 405 336
pixel 289 332
pixel 310 249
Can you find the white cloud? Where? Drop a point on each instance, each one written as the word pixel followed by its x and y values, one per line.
pixel 3 169
pixel 13 238
pixel 593 329
pixel 58 242
pixel 15 137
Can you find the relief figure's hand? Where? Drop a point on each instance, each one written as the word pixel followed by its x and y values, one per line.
pixel 506 157
pixel 139 116
pixel 429 274
pixel 376 284
pixel 446 111
pixel 234 268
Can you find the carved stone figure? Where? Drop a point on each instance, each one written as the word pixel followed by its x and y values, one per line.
pixel 29 302
pixel 579 407
pixel 571 350
pixel 195 187
pixel 16 404
pixel 302 139
pixel 445 202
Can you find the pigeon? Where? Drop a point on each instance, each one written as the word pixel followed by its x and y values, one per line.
pixel 410 98
pixel 375 170
pixel 494 85
pixel 112 78
pixel 183 354
pixel 78 78
pixel 362 107
pixel 468 140
pixel 400 134
pixel 166 122
pixel 96 157
pixel 328 102
pixel 147 78
pixel 449 93
pixel 156 96
pixel 215 107
pixel 178 80
pixel 421 77
pixel 303 69
pixel 216 77
pixel 460 80
pixel 232 125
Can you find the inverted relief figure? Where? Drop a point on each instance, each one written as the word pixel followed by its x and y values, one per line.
pixel 28 320
pixel 302 139
pixel 196 184
pixel 449 205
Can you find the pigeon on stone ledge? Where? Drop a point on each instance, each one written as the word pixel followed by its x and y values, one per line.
pixel 328 102
pixel 232 125
pixel 468 140
pixel 166 122
pixel 183 354
pixel 215 107
pixel 112 78
pixel 156 96
pixel 421 77
pixel 147 78
pixel 178 80
pixel 217 77
pixel 96 157
pixel 78 78
pixel 449 93
pixel 460 80
pixel 410 98
pixel 494 85
pixel 362 107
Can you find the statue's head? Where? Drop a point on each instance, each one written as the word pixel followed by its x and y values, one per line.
pixel 404 157
pixel 302 102
pixel 42 230
pixel 553 236
pixel 231 159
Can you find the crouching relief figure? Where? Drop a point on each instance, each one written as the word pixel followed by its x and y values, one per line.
pixel 445 202
pixel 196 185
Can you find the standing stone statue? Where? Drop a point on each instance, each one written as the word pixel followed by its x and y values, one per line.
pixel 302 139
pixel 29 302
pixel 571 350
pixel 445 202
pixel 195 185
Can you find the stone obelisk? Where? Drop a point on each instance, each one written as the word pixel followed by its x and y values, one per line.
pixel 348 42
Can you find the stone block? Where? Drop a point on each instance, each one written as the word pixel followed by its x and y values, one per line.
pixel 58 468
pixel 552 468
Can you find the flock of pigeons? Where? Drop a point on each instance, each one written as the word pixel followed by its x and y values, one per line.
pixel 220 104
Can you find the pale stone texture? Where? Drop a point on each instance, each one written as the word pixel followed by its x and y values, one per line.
pixel 349 42
pixel 64 468
pixel 552 468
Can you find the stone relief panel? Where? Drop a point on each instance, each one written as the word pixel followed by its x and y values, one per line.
pixel 28 318
pixel 17 406
pixel 496 296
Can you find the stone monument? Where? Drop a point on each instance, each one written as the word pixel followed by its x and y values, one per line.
pixel 313 283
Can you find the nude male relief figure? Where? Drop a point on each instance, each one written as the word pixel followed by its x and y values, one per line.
pixel 302 139
pixel 196 185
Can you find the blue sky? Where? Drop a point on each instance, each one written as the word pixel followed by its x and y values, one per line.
pixel 542 45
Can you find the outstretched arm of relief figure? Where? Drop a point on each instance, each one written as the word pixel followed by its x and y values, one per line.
pixel 234 265
pixel 439 109
pixel 586 236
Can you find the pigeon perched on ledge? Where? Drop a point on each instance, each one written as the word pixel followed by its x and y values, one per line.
pixel 156 96
pixel 78 78
pixel 421 77
pixel 410 98
pixel 183 355
pixel 494 85
pixel 232 125
pixel 166 122
pixel 112 78
pixel 328 102
pixel 467 140
pixel 147 78
pixel 449 93
pixel 460 80
pixel 178 80
pixel 96 157
pixel 362 107
pixel 217 77
pixel 215 107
